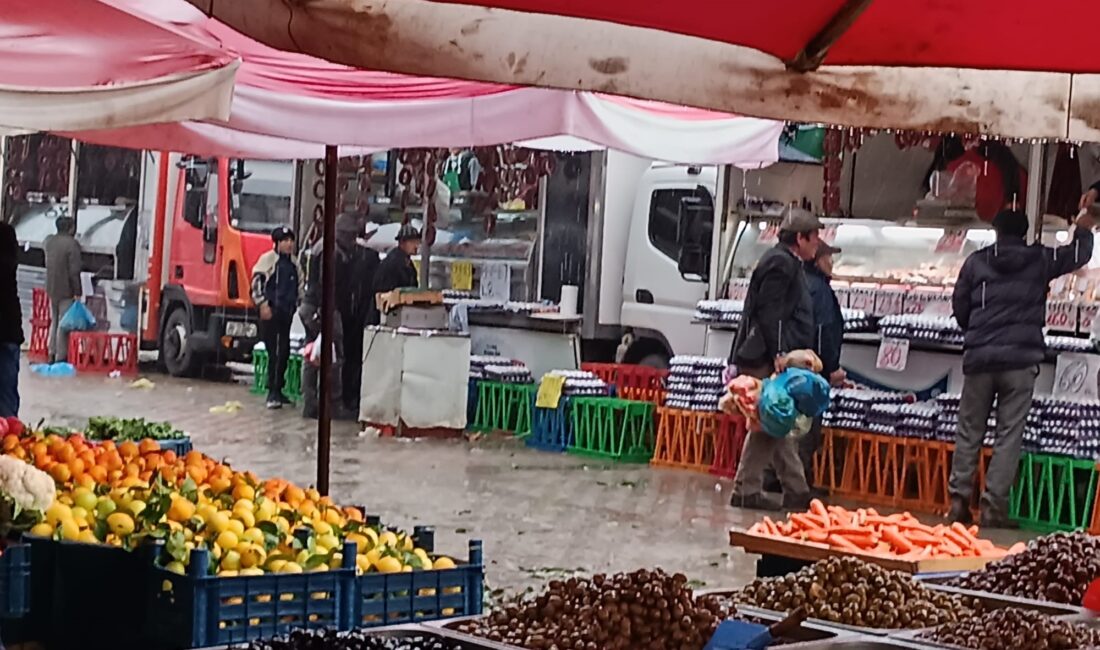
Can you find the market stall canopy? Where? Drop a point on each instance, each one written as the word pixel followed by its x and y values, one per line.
pixel 85 64
pixel 289 103
pixel 1013 68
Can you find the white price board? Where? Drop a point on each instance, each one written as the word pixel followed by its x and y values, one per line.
pixel 1062 316
pixel 496 282
pixel 1076 376
pixel 1088 317
pixel 893 354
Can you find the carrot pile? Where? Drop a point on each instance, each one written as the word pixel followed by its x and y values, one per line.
pixel 900 536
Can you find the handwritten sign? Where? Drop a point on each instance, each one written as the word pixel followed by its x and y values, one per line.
pixel 1075 376
pixel 496 282
pixel 550 389
pixel 739 288
pixel 1088 315
pixel 889 302
pixel 863 299
pixel 462 276
pixel 1062 316
pixel 952 241
pixel 893 354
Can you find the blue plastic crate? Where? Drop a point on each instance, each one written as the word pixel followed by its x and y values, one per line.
pixel 15 581
pixel 179 445
pixel 197 609
pixel 394 598
pixel 551 429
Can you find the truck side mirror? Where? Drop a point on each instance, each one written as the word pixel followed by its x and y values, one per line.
pixel 194 206
pixel 696 223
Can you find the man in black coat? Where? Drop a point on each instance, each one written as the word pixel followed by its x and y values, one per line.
pixel 11 323
pixel 777 318
pixel 1000 304
pixel 397 270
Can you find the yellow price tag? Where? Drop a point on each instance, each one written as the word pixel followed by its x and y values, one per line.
pixel 550 391
pixel 462 276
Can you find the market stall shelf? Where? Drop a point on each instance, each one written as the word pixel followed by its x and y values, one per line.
pixel 685 439
pixel 1054 493
pixel 767 545
pixel 612 429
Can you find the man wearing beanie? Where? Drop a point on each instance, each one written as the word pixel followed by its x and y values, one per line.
pixel 1000 304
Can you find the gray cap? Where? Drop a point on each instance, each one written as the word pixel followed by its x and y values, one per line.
pixel 796 219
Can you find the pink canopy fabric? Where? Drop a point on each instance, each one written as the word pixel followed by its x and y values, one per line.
pixel 290 105
pixel 80 64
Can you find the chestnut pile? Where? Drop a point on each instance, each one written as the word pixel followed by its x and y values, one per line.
pixel 853 592
pixel 1056 568
pixel 1020 629
pixel 356 640
pixel 643 610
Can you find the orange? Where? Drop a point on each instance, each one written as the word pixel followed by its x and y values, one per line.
pixel 193 457
pixel 76 466
pixel 39 449
pixel 354 514
pixel 148 446
pixel 128 449
pixel 107 445
pixel 98 473
pixel 169 457
pixel 132 469
pixel 294 495
pixel 60 472
pixel 11 441
pixel 65 453
pixel 242 491
pixel 197 473
pixel 218 484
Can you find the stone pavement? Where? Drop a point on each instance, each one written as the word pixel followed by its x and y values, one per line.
pixel 539 514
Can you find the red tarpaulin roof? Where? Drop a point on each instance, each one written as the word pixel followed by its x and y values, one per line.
pixel 68 64
pixel 1012 67
pixel 290 105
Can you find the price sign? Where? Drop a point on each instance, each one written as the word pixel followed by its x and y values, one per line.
pixel 496 282
pixel 1088 317
pixel 889 302
pixel 893 354
pixel 739 289
pixel 863 299
pixel 1062 316
pixel 1075 376
pixel 770 235
pixel 550 389
pixel 462 276
pixel 952 241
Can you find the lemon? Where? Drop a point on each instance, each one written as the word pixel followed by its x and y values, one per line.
pixel 79 513
pixel 362 544
pixel 388 565
pixel 86 536
pixel 218 522
pixel 228 573
pixel 70 530
pixel 425 561
pixel 336 561
pixel 443 563
pixel 84 498
pixel 362 563
pixel 266 510
pixel 205 511
pixel 245 517
pixel 120 523
pixel 373 556
pixel 105 507
pixel 282 523
pixel 136 507
pixel 406 543
pixel 252 571
pixel 322 527
pixel 387 538
pixel 333 516
pixel 228 539
pixel 276 565
pixel 254 535
pixel 176 567
pixel 244 504
pixel 42 530
pixel 237 526
pixel 291 567
pixel 251 556
pixel 328 542
pixel 231 561
pixel 302 557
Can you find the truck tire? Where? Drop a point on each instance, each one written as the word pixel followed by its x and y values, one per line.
pixel 177 357
pixel 655 360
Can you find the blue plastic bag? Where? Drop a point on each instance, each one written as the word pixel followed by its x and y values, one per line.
pixel 789 394
pixel 59 369
pixel 77 318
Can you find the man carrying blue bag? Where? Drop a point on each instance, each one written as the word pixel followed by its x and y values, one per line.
pixel 63 266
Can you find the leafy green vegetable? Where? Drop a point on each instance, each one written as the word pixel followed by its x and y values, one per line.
pixel 112 428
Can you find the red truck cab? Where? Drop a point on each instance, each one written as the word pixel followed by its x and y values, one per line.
pixel 220 222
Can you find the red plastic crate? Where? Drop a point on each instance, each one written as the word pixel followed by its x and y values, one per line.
pixel 633 382
pixel 102 352
pixel 39 350
pixel 728 443
pixel 40 306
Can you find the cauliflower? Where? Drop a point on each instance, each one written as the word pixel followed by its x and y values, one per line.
pixel 28 487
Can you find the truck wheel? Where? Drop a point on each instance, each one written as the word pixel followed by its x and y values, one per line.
pixel 175 354
pixel 655 360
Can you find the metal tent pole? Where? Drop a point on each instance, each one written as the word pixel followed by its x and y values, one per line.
pixel 328 314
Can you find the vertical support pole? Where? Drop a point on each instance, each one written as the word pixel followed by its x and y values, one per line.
pixel 74 171
pixel 1036 180
pixel 721 212
pixel 3 176
pixel 155 272
pixel 328 317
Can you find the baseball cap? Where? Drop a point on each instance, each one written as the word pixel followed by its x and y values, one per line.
pixel 280 233
pixel 796 219
pixel 825 248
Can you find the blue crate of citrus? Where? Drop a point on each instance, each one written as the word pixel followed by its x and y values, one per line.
pixel 450 589
pixel 197 609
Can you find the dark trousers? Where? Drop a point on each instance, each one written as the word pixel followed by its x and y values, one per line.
pixel 807 447
pixel 352 372
pixel 1013 390
pixel 311 374
pixel 9 380
pixel 276 337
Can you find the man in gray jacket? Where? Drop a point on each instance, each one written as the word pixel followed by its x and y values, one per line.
pixel 63 268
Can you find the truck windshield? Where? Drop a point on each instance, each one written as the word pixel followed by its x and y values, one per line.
pixel 261 194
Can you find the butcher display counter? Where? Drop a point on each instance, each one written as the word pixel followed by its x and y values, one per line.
pixel 889 271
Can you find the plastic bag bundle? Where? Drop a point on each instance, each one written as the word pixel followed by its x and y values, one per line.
pixel 776 410
pixel 742 398
pixel 77 318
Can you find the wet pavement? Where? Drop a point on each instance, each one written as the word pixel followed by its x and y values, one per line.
pixel 539 514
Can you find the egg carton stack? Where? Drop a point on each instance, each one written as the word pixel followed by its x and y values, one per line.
pixel 857 320
pixel 850 408
pixel 695 383
pixel 1065 428
pixel 918 327
pixel 947 424
pixel 883 418
pixel 1070 344
pixel 719 311
pixel 581 383
pixel 499 369
pixel 920 420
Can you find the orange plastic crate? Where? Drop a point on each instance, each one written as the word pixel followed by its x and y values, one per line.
pixel 685 439
pixel 102 352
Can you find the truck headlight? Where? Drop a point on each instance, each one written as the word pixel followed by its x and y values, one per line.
pixel 240 329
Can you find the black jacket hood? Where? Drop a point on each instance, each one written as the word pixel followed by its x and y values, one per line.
pixel 1011 255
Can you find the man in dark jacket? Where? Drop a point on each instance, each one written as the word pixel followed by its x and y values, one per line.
pixel 397 270
pixel 828 338
pixel 1000 304
pixel 11 323
pixel 275 291
pixel 63 266
pixel 777 318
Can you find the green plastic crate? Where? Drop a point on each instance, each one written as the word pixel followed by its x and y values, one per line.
pixel 503 407
pixel 1053 493
pixel 292 380
pixel 613 429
